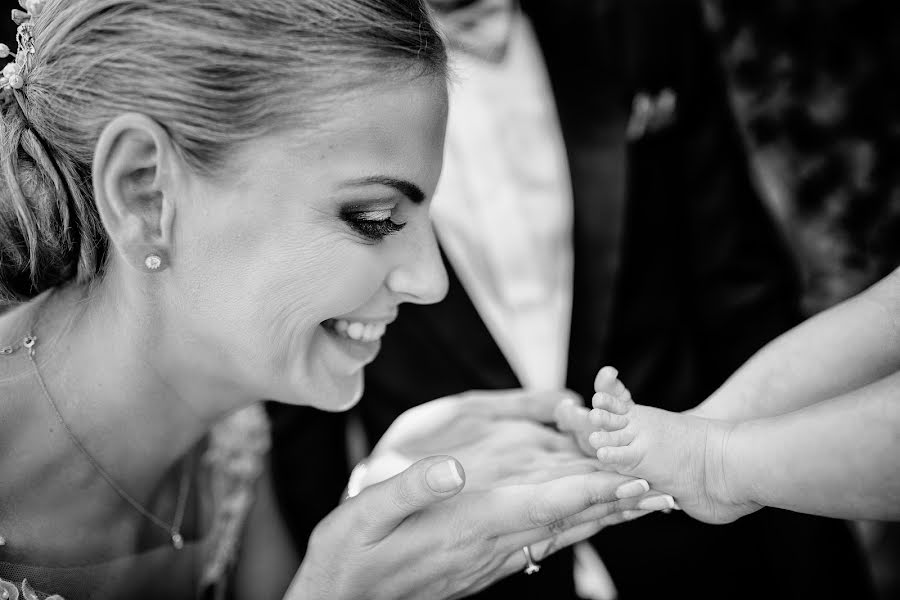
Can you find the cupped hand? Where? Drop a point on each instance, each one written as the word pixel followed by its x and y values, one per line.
pixel 415 536
pixel 499 436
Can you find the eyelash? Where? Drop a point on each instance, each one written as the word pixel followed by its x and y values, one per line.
pixel 374 229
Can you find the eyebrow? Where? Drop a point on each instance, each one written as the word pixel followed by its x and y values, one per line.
pixel 413 192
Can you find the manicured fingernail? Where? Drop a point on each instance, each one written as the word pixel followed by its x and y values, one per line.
pixel 632 489
pixel 657 503
pixel 443 477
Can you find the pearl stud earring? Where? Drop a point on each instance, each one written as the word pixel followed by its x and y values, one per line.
pixel 153 262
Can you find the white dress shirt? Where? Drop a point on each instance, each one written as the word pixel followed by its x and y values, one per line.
pixel 503 207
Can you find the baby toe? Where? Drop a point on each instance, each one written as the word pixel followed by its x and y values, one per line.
pixel 613 404
pixel 606 379
pixel 615 455
pixel 604 419
pixel 600 439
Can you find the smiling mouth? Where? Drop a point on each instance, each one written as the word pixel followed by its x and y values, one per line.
pixel 355 330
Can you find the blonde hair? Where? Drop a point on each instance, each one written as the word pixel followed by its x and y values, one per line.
pixel 213 73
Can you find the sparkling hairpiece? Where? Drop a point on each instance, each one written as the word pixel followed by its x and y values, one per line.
pixel 13 74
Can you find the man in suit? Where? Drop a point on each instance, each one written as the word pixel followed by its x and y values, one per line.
pixel 595 209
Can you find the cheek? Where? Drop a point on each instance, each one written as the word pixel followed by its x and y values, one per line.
pixel 296 290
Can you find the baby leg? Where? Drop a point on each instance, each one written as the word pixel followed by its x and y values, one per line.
pixel 677 453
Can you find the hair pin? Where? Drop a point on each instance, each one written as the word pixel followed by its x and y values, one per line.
pixel 13 74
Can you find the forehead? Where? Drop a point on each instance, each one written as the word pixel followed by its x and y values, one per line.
pixel 392 129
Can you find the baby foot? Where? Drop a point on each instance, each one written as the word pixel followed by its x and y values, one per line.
pixel 678 454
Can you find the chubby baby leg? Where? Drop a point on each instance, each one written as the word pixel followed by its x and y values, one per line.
pixel 678 454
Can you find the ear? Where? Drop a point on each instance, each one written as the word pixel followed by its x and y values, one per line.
pixel 134 175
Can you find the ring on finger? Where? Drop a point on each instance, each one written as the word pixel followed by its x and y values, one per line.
pixel 531 567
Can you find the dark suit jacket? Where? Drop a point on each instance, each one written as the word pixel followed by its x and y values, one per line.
pixel 680 276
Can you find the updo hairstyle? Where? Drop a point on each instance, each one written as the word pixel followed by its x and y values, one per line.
pixel 212 73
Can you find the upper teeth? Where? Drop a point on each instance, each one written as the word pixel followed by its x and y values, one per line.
pixel 361 332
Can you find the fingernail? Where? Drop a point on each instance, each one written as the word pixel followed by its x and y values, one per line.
pixel 443 477
pixel 632 489
pixel 657 503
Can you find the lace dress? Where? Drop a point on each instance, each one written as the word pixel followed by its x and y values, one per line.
pixel 230 466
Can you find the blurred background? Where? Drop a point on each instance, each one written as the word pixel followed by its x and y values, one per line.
pixel 816 87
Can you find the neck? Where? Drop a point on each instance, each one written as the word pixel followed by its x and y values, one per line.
pixel 124 384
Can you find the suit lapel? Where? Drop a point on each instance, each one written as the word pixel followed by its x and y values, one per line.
pixel 583 48
pixel 593 111
pixel 456 324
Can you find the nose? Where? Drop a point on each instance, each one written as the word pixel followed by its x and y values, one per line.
pixel 420 278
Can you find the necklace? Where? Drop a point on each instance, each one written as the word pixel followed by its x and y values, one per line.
pixel 173 529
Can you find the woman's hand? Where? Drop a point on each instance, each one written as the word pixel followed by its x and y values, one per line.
pixel 415 536
pixel 498 435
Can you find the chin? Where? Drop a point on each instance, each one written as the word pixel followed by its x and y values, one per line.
pixel 341 395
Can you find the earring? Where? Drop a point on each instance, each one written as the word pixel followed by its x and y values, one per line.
pixel 153 262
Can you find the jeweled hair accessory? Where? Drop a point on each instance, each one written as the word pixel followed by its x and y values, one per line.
pixel 13 74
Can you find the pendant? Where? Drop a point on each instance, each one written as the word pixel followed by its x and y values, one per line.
pixel 177 540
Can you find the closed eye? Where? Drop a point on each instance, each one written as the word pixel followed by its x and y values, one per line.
pixel 373 224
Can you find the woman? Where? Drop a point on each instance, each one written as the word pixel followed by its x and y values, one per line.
pixel 204 204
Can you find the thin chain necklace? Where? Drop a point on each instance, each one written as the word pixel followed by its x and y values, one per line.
pixel 173 529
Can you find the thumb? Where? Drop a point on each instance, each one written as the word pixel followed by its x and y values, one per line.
pixel 538 405
pixel 427 482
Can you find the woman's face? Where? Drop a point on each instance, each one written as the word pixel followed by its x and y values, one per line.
pixel 292 271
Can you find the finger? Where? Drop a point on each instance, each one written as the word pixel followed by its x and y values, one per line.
pixel 579 533
pixel 604 514
pixel 625 516
pixel 519 403
pixel 385 505
pixel 656 502
pixel 596 513
pixel 549 439
pixel 544 472
pixel 523 507
pixel 541 549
